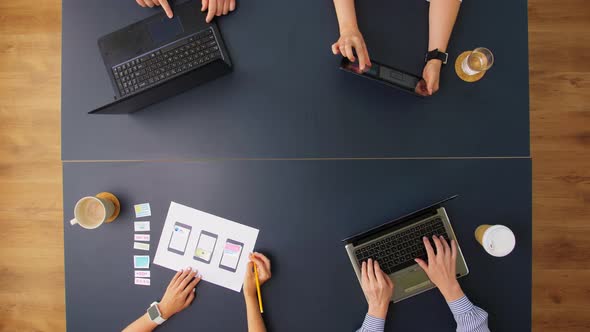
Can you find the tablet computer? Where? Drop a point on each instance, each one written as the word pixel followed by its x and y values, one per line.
pixel 388 75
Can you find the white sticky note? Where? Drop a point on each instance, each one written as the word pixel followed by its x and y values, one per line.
pixel 142 210
pixel 141 246
pixel 141 262
pixel 142 281
pixel 141 237
pixel 142 226
pixel 142 274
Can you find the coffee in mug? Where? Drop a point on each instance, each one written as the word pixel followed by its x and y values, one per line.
pixel 497 240
pixel 92 211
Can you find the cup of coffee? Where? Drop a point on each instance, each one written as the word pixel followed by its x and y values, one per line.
pixel 92 211
pixel 497 240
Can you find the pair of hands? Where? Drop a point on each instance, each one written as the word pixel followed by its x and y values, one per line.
pixel 181 291
pixel 213 7
pixel 440 268
pixel 352 39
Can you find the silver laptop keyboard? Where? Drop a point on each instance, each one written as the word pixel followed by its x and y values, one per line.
pixel 398 250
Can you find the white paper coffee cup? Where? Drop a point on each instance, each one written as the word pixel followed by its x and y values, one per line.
pixel 498 240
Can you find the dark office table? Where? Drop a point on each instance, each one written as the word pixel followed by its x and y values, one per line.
pixel 303 209
pixel 286 97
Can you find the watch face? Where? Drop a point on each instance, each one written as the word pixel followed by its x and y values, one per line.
pixel 153 312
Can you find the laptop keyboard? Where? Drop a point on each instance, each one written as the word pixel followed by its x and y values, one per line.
pixel 165 63
pixel 398 250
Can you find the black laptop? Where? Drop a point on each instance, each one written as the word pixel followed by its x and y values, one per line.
pixel 159 57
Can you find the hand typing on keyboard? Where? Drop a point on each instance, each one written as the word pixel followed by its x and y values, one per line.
pixel 441 267
pixel 377 287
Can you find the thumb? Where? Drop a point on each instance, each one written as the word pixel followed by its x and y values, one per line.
pixel 335 48
pixel 249 269
pixel 388 280
pixel 422 264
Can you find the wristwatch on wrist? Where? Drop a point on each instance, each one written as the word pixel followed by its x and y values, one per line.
pixel 438 55
pixel 154 313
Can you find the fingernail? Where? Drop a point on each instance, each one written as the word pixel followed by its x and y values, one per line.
pixel 188 268
pixel 195 290
pixel 199 275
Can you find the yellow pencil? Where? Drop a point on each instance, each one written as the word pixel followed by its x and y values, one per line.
pixel 258 288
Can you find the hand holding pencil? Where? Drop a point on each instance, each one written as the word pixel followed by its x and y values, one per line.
pixel 257 273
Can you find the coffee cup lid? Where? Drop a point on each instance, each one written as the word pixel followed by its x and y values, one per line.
pixel 499 240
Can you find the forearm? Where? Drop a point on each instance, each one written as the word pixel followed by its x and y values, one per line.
pixel 372 324
pixel 142 324
pixel 442 16
pixel 346 14
pixel 255 321
pixel 469 318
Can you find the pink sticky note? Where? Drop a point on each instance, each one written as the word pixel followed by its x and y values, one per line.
pixel 141 237
pixel 142 281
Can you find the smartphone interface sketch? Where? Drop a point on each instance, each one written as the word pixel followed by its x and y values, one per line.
pixel 232 250
pixel 179 238
pixel 205 247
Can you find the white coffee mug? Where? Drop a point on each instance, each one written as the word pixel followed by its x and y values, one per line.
pixel 91 212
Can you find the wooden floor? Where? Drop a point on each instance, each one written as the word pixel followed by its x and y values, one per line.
pixel 31 242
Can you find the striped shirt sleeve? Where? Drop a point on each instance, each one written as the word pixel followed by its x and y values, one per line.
pixel 469 318
pixel 372 324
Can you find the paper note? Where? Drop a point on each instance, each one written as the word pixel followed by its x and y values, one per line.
pixel 142 226
pixel 142 274
pixel 141 262
pixel 143 210
pixel 214 246
pixel 141 237
pixel 141 246
pixel 142 281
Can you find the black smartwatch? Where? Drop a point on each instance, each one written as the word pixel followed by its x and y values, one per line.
pixel 438 55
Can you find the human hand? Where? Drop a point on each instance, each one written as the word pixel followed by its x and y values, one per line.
pixel 377 287
pixel 431 75
pixel 180 292
pixel 263 266
pixel 441 267
pixel 152 3
pixel 217 8
pixel 349 39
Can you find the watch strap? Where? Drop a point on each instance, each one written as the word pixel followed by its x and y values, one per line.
pixel 158 320
pixel 438 55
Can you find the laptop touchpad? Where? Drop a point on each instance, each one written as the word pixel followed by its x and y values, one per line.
pixel 413 280
pixel 164 30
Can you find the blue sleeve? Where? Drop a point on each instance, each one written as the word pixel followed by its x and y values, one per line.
pixel 469 318
pixel 372 324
